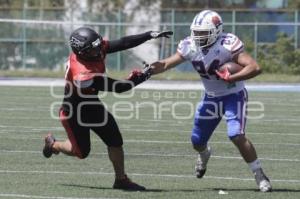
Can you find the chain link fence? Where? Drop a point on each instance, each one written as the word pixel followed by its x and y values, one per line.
pixel 38 38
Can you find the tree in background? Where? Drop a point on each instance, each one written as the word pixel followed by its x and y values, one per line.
pixel 31 3
pixel 204 4
pixel 294 4
pixel 280 57
pixel 43 43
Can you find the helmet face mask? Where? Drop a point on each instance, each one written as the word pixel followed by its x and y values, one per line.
pixel 86 44
pixel 201 38
pixel 206 28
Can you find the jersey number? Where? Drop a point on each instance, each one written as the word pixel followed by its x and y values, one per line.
pixel 200 68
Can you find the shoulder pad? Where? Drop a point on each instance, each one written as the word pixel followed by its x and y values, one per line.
pixel 185 47
pixel 232 43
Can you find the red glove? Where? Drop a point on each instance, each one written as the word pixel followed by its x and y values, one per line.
pixel 224 74
pixel 134 74
pixel 137 76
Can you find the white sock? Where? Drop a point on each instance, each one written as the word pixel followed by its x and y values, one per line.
pixel 255 165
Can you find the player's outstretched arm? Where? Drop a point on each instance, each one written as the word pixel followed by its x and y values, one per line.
pixel 135 40
pixel 166 64
pixel 104 83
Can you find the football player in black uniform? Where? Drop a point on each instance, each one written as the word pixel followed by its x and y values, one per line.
pixel 82 110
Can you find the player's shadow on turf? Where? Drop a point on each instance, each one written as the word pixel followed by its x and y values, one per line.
pixel 99 187
pixel 256 190
pixel 85 186
pixel 147 190
pixel 286 190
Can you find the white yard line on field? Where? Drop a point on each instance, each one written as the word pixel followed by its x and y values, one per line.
pixel 32 109
pixel 164 155
pixel 154 141
pixel 142 174
pixel 8 131
pixel 150 85
pixel 44 197
pixel 212 142
pixel 143 128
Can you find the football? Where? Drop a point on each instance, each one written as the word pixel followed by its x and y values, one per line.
pixel 232 67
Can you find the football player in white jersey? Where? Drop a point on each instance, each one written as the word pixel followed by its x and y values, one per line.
pixel 207 49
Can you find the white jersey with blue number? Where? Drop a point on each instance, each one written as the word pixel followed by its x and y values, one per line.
pixel 206 61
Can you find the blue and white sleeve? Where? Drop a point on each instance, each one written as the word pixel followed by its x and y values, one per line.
pixel 233 44
pixel 184 48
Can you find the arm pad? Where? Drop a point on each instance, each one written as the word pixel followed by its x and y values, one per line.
pixel 128 42
pixel 104 83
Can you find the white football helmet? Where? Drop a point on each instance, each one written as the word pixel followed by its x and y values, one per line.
pixel 207 26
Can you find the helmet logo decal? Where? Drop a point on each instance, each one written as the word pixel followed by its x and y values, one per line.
pixel 76 43
pixel 96 43
pixel 216 20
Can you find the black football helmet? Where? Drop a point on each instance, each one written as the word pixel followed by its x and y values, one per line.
pixel 86 43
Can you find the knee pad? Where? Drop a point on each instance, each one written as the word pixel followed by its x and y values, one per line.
pixel 197 141
pixel 234 131
pixel 199 138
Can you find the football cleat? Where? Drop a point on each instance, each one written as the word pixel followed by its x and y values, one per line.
pixel 200 167
pixel 49 141
pixel 262 181
pixel 127 184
